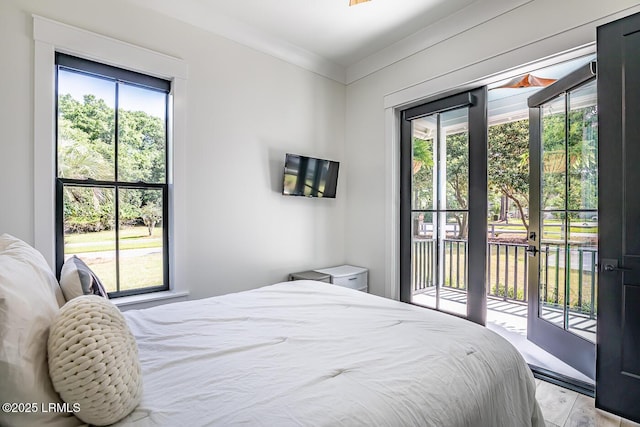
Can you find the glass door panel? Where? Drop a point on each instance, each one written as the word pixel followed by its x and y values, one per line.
pixel 443 229
pixel 424 258
pixel 440 190
pixel 551 286
pixel 454 275
pixel 552 278
pixel 563 153
pixel 582 283
pixel 569 215
pixel 582 211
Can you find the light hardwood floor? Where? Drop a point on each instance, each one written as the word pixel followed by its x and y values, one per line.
pixel 566 408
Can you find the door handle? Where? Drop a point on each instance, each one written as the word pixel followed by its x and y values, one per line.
pixel 531 250
pixel 612 265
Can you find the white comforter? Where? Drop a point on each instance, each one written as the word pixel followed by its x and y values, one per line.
pixel 311 354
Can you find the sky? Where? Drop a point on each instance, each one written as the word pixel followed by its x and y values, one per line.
pixel 132 98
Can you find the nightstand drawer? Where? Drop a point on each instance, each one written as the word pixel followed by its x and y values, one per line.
pixel 353 281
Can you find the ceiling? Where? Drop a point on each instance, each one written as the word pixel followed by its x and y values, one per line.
pixel 333 29
pixel 510 104
pixel 328 36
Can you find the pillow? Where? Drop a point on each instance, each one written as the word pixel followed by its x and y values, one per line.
pixel 76 279
pixel 28 307
pixel 93 360
pixel 7 241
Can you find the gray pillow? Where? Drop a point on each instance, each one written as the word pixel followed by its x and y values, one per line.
pixel 76 279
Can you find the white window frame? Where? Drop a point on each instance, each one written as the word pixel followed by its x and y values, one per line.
pixel 51 37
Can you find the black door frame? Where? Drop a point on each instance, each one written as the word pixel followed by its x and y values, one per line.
pixel 476 101
pixel 568 347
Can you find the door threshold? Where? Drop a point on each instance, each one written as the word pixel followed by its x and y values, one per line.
pixel 563 381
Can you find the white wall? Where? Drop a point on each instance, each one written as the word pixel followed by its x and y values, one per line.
pixel 534 31
pixel 245 109
pixel 243 104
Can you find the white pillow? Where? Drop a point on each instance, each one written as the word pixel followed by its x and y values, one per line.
pixel 76 279
pixel 8 241
pixel 93 360
pixel 28 307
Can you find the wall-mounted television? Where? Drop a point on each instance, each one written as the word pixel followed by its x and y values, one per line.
pixel 309 176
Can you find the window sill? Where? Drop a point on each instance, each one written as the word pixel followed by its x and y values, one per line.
pixel 135 302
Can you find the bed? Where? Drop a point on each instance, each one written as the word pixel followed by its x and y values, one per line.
pixel 306 353
pixel 299 353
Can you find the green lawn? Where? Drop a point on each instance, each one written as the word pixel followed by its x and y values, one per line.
pixel 497 279
pixel 135 272
pixel 130 238
pixel 550 228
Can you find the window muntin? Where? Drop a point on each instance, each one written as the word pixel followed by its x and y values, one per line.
pixel 112 197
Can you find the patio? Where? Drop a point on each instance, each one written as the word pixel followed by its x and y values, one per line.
pixel 509 319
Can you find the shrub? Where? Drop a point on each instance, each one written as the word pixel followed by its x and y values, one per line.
pixel 499 291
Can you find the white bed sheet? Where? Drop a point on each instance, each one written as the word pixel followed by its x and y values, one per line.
pixel 312 354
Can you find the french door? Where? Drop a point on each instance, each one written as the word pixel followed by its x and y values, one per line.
pixel 443 205
pixel 563 208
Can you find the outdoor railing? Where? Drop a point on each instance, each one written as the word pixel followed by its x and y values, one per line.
pixel 507 272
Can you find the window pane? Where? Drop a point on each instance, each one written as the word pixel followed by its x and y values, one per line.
pixel 455 144
pixel 553 155
pixel 423 258
pixel 141 134
pixel 582 238
pixel 583 148
pixel 552 268
pixel 453 250
pixel 423 184
pixel 140 234
pixel 89 230
pixel 86 126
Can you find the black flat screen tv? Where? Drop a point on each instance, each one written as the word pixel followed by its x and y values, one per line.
pixel 309 176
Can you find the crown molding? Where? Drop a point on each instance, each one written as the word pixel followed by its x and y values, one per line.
pixel 477 13
pixel 194 13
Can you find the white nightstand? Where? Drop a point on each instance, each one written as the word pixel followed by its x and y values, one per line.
pixel 348 276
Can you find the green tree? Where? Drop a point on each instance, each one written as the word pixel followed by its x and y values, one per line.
pixel 86 151
pixel 583 159
pixel 508 163
pixel 141 152
pixel 422 165
pixel 457 146
pixel 457 176
pixel 151 215
pixel 578 153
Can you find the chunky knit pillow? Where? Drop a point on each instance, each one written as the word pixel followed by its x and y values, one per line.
pixel 93 360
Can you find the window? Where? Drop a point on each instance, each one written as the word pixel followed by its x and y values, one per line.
pixel 111 174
